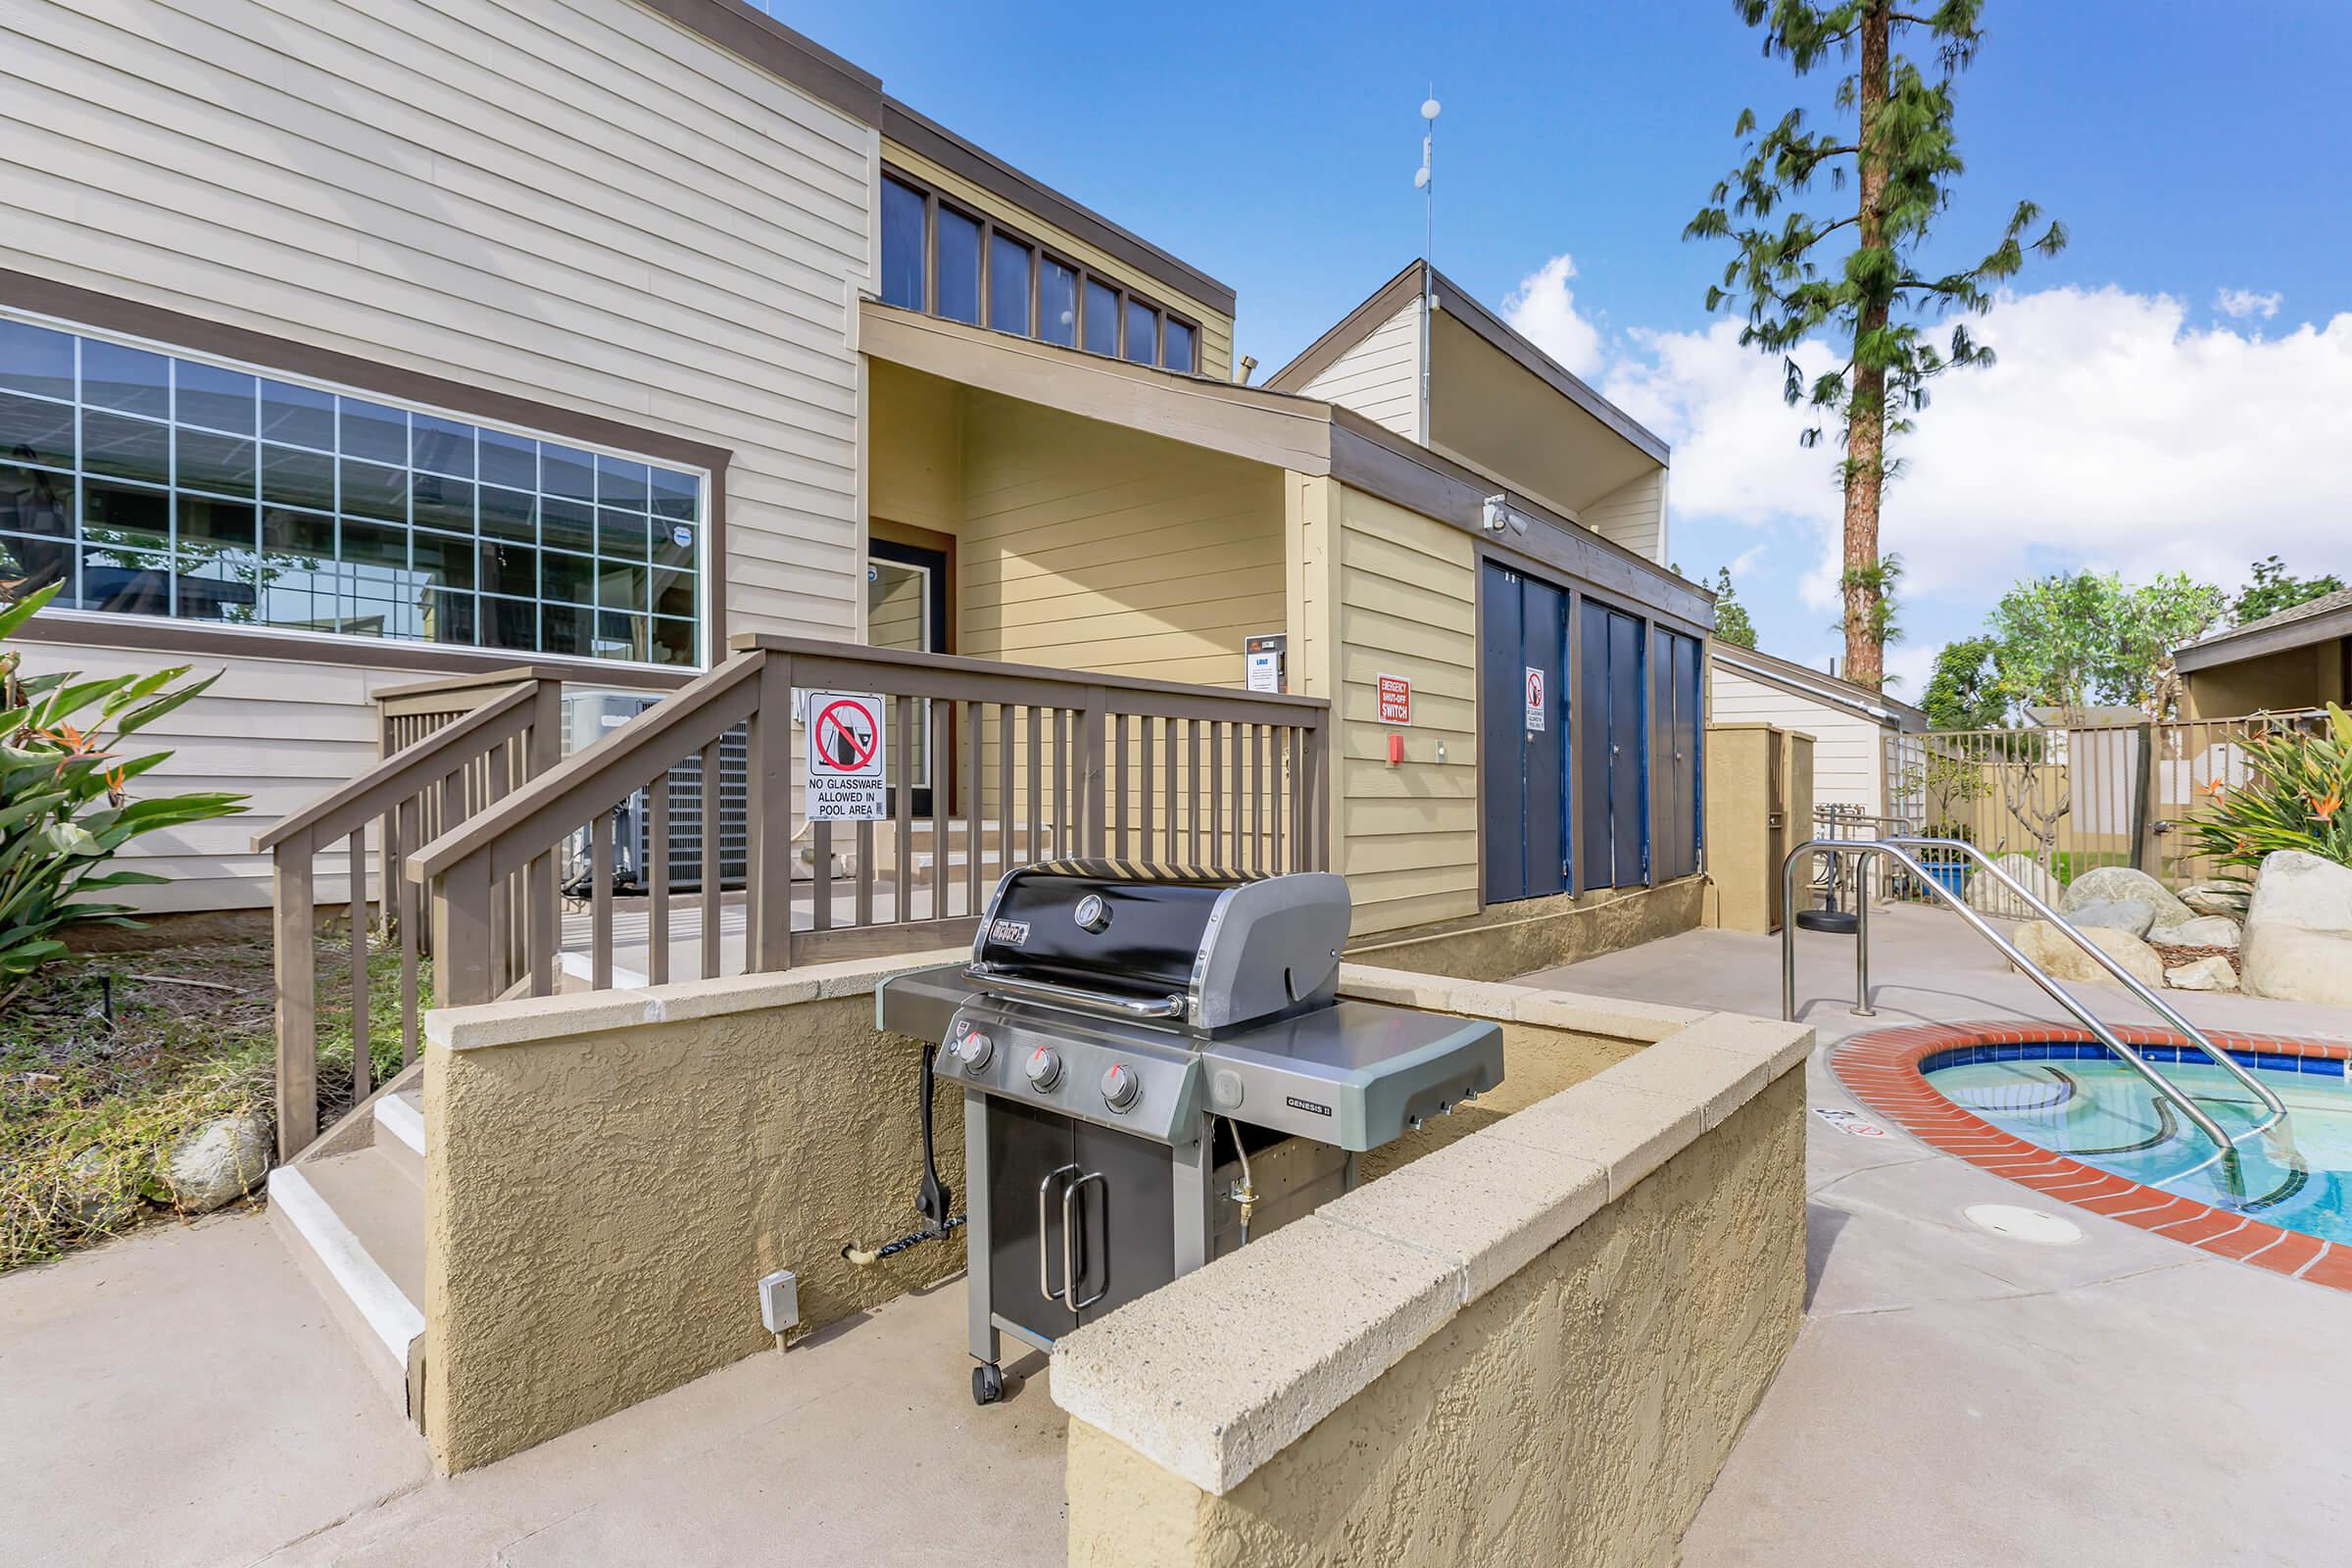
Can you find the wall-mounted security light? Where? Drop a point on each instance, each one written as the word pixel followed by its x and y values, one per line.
pixel 1496 514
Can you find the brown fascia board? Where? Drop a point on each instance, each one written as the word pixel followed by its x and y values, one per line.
pixel 2253 642
pixel 1352 328
pixel 780 51
pixel 921 133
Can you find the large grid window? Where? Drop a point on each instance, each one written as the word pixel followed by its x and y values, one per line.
pixel 940 259
pixel 150 484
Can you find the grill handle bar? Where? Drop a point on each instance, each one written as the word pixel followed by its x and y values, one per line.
pixel 1023 988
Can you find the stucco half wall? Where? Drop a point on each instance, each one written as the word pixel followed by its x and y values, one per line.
pixel 1533 1346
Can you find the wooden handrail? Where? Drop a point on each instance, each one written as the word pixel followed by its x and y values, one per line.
pixel 403 773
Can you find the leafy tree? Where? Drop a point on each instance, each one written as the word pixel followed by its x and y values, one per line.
pixel 2274 589
pixel 2071 639
pixel 1732 623
pixel 1899 148
pixel 1965 691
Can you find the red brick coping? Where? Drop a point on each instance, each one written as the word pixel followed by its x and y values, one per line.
pixel 1882 1069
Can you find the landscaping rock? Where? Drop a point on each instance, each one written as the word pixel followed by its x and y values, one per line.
pixel 2216 897
pixel 2205 931
pixel 2134 915
pixel 2206 974
pixel 2298 933
pixel 89 1195
pixel 2059 957
pixel 2110 883
pixel 219 1163
pixel 1988 897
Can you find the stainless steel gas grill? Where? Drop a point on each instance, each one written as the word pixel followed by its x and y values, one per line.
pixel 1157 1067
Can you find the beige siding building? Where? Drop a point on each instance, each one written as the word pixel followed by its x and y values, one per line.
pixel 1850 724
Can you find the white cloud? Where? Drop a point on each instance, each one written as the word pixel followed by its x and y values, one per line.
pixel 2244 302
pixel 2108 433
pixel 1543 308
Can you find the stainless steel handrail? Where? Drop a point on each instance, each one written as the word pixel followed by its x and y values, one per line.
pixel 1895 851
pixel 1023 988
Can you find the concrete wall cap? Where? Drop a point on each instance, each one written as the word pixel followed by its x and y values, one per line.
pixel 529 1019
pixel 1488 999
pixel 1628 1132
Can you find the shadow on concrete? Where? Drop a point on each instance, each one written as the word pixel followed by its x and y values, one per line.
pixel 1822 1225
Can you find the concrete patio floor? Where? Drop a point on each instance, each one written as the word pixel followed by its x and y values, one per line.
pixel 1955 1397
pixel 1958 1397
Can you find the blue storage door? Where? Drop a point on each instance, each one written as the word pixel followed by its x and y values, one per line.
pixel 1499 737
pixel 1689 741
pixel 1543 618
pixel 1593 748
pixel 1629 771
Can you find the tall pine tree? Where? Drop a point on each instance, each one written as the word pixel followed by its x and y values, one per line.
pixel 1895 142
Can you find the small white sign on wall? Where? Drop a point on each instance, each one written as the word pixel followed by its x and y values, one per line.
pixel 844 757
pixel 1535 699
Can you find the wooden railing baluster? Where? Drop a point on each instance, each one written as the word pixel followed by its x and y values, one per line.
pixel 712 772
pixel 656 880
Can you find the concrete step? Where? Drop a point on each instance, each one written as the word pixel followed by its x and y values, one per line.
pixel 400 1132
pixel 355 1223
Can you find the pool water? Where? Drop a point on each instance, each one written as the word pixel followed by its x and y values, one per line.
pixel 2093 1109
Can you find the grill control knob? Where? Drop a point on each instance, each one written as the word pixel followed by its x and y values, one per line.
pixel 1043 1068
pixel 1120 1085
pixel 974 1050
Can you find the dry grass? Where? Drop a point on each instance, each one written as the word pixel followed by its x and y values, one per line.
pixel 106 1063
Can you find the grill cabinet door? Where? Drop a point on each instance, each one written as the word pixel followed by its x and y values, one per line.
pixel 1025 1147
pixel 1126 1221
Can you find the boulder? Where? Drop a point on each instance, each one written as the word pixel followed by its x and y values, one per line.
pixel 2109 883
pixel 2206 974
pixel 2298 933
pixel 2134 915
pixel 1988 897
pixel 2216 897
pixel 219 1163
pixel 2205 931
pixel 2060 957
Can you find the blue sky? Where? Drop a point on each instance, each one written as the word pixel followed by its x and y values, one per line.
pixel 2133 424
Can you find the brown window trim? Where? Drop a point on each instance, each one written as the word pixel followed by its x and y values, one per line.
pixel 108 313
pixel 1039 250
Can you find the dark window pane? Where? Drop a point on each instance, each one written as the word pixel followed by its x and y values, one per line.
pixel 1101 318
pixel 509 569
pixel 34 359
pixel 129 449
pixel 373 544
pixel 620 586
pixel 621 533
pixel 295 478
pixel 673 642
pixel 1008 285
pixel 444 560
pixel 33 431
pixel 570 578
pixel 673 545
pixel 438 502
pixel 31 564
pixel 509 624
pixel 903 247
pixel 372 490
pixel 566 525
pixel 958 266
pixel 301 414
pixel 621 483
pixel 1056 303
pixel 130 582
pixel 1143 333
pixel 444 446
pixel 221 400
pixel 512 460
pixel 34 502
pixel 208 461
pixel 510 514
pixel 215 525
pixel 375 432
pixel 1176 349
pixel 563 630
pixel 130 379
pixel 673 594
pixel 302 537
pixel 448 617
pixel 222 585
pixel 565 471
pixel 676 495
pixel 619 636
pixel 118 514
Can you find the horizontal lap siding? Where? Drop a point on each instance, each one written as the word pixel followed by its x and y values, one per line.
pixel 1633 515
pixel 1380 378
pixel 1846 746
pixel 1406 605
pixel 568 200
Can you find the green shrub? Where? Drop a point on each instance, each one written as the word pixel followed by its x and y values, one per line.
pixel 65 795
pixel 2294 799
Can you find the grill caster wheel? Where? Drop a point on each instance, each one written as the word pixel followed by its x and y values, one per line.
pixel 988 1384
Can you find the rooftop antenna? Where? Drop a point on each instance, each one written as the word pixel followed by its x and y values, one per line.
pixel 1425 182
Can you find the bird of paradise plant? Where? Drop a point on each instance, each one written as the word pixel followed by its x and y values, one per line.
pixel 2292 799
pixel 65 803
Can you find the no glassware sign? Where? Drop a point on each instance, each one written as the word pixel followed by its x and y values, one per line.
pixel 844 757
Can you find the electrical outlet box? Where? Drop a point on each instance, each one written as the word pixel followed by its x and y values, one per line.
pixel 780 1301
